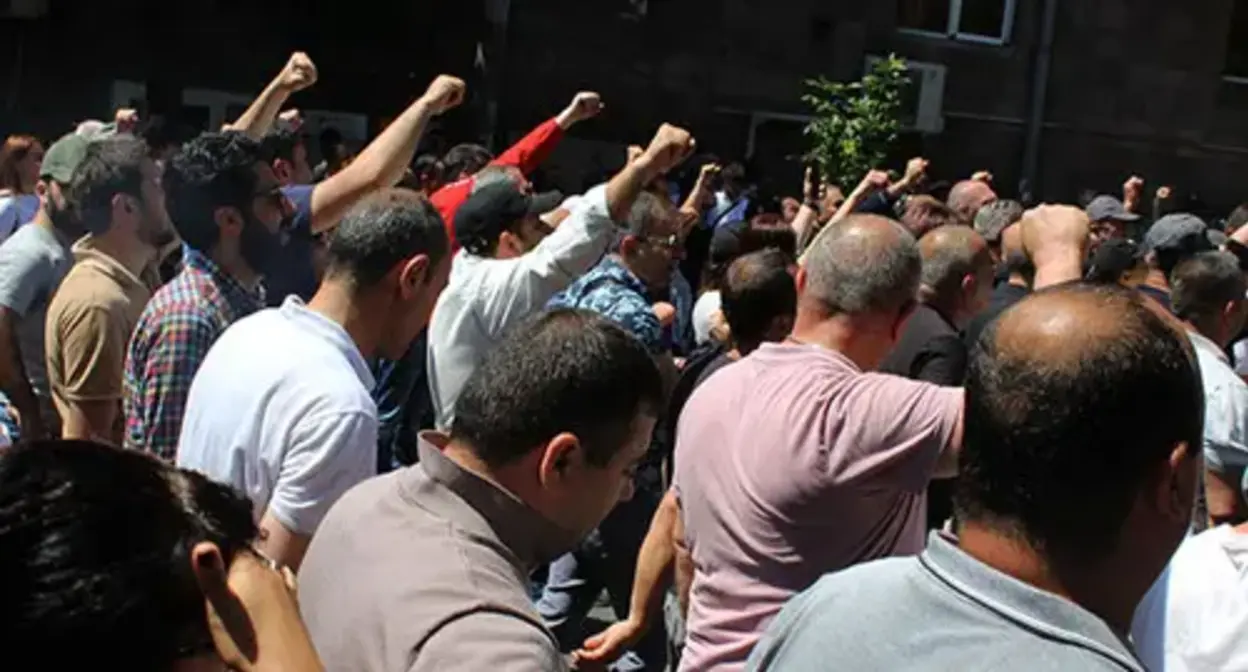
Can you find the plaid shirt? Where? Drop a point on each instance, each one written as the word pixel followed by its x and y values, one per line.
pixel 171 340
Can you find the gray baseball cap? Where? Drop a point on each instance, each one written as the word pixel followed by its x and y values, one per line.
pixel 1103 208
pixel 1179 232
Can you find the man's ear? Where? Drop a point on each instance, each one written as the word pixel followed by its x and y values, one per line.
pixel 800 279
pixel 560 457
pixel 229 221
pixel 413 275
pixel 1178 483
pixel 283 170
pixel 629 245
pixel 208 566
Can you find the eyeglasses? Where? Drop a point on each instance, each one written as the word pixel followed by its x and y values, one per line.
pixel 671 242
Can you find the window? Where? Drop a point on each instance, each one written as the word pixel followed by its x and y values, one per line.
pixel 986 21
pixel 1237 44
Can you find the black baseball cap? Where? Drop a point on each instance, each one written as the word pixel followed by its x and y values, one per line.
pixel 495 208
pixel 1107 208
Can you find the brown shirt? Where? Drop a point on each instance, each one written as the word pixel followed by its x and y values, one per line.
pixel 89 324
pixel 426 570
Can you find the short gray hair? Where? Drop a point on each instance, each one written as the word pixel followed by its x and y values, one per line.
pixel 950 253
pixel 863 264
pixel 1202 285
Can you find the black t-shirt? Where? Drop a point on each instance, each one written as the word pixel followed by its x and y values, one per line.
pixel 929 349
pixel 1003 296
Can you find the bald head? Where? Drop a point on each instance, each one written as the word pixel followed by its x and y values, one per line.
pixel 968 196
pixel 1075 398
pixel 864 264
pixel 950 254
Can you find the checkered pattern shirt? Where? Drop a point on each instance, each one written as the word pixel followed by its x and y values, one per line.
pixel 177 327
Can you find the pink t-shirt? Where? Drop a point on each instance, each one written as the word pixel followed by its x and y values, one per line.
pixel 790 464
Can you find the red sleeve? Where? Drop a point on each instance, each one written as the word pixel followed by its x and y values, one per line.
pixel 447 201
pixel 531 150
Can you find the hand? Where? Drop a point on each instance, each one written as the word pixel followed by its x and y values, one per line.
pixel 445 93
pixel 634 153
pixel 671 145
pixel 292 119
pixel 808 185
pixel 1055 232
pixel 982 176
pixel 873 182
pixel 251 596
pixel 585 105
pixel 666 313
pixel 610 644
pixel 916 169
pixel 299 73
pixel 709 172
pixel 126 120
pixel 720 331
pixel 1164 193
pixel 1133 187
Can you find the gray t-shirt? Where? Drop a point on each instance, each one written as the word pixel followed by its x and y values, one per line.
pixel 33 261
pixel 942 610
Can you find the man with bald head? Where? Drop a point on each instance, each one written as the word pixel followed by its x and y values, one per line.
pixel 968 196
pixel 955 285
pixel 1079 472
pixel 755 487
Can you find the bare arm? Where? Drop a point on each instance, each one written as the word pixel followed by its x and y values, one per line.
pixel 283 545
pixel 684 564
pixel 874 181
pixel 692 208
pixel 13 378
pixel 298 74
pixel 384 160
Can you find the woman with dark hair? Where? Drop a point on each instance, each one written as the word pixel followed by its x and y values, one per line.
pixel 113 559
pixel 21 156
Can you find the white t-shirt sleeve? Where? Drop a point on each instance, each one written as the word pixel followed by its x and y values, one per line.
pixel 707 305
pixel 1240 351
pixel 328 455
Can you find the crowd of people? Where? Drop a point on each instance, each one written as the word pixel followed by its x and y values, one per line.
pixel 895 426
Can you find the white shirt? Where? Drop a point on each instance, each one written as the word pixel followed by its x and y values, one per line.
pixel 707 305
pixel 1226 409
pixel 1195 617
pixel 486 297
pixel 281 410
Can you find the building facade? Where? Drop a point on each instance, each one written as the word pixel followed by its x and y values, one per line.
pixel 1052 96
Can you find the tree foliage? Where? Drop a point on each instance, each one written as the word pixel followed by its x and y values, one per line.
pixel 855 123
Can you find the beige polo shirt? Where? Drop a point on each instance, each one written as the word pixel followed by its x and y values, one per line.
pixel 90 320
pixel 426 570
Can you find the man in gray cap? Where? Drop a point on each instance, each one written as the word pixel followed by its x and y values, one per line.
pixel 1109 218
pixel 1171 240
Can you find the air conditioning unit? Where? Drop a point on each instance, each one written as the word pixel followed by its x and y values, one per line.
pixel 23 9
pixel 923 104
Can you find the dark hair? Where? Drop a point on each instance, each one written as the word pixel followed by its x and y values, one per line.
pixel 214 170
pixel 280 143
pixel 383 230
pixel 757 290
pixel 111 166
pixel 329 139
pixel 1202 285
pixel 1113 258
pixel 563 371
pixel 465 159
pixel 96 563
pixel 924 213
pixel 425 164
pixel 1056 449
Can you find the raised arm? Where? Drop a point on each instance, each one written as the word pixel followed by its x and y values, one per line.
pixel 298 74
pixel 384 160
pixel 873 182
pixel 530 151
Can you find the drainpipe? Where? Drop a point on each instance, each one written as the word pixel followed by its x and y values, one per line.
pixel 498 18
pixel 1039 97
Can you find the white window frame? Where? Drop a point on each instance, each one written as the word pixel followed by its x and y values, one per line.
pixel 955 19
pixel 217 102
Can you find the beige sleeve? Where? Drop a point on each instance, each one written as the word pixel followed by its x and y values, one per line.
pixel 93 353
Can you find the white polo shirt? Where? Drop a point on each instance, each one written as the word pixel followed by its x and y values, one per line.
pixel 281 410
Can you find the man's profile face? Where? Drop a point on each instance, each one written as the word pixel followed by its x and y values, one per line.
pixel 156 229
pixel 589 492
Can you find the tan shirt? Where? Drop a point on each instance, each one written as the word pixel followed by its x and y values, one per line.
pixel 89 324
pixel 426 570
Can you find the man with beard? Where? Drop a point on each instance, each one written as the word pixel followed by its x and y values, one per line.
pixel 116 192
pixel 33 261
pixel 229 209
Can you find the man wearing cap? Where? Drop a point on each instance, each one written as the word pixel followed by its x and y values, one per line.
pixel 33 261
pixel 512 262
pixel 1170 241
pixel 117 194
pixel 1109 219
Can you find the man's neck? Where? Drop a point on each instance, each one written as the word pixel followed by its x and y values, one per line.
pixel 234 266
pixel 1157 280
pixel 1018 559
pixel 337 303
pixel 949 314
pixel 130 253
pixel 836 333
pixel 1208 332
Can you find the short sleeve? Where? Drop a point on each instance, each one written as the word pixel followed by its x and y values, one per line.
pixel 639 320
pixel 488 640
pixel 300 196
pixel 22 276
pixel 892 426
pixel 1226 429
pixel 93 352
pixel 329 454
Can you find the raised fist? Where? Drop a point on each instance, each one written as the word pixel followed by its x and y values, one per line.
pixel 292 119
pixel 874 181
pixel 916 168
pixel 1051 231
pixel 299 73
pixel 982 176
pixel 1133 186
pixel 586 105
pixel 445 93
pixel 709 171
pixel 126 120
pixel 671 145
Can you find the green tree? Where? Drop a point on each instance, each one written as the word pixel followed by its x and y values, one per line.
pixel 855 123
